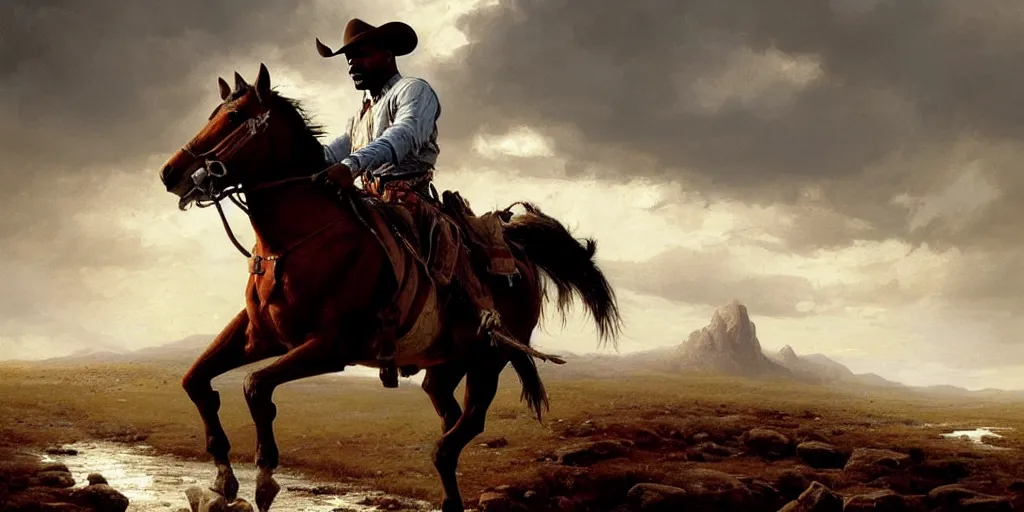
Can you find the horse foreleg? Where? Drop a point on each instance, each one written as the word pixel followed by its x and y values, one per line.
pixel 481 386
pixel 317 356
pixel 439 383
pixel 225 353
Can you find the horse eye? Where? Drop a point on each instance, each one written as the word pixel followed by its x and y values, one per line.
pixel 234 116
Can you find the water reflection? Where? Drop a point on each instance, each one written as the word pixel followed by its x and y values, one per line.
pixel 156 483
pixel 978 435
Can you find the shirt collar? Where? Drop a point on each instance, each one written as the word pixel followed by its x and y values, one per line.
pixel 384 90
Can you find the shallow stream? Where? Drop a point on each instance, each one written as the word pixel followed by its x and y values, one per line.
pixel 157 483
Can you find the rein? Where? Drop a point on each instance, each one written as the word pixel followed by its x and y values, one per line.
pixel 213 167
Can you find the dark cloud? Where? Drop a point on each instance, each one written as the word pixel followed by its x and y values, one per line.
pixel 708 277
pixel 104 82
pixel 750 98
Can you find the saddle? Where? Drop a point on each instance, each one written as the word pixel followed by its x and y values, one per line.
pixel 485 233
pixel 442 231
pixel 432 236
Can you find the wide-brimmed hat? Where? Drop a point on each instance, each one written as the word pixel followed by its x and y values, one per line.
pixel 397 37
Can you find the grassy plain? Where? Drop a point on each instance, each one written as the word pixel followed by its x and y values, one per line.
pixel 352 429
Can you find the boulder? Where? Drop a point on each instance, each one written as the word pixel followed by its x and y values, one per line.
pixel 586 454
pixel 817 498
pixel 820 455
pixel 871 463
pixel 767 443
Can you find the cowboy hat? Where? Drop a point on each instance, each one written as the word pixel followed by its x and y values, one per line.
pixel 397 37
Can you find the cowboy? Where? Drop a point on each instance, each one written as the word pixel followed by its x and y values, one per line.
pixel 391 143
pixel 393 138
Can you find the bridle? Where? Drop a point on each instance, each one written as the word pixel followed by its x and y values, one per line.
pixel 205 192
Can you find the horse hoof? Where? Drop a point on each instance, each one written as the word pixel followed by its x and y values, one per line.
pixel 226 484
pixel 452 506
pixel 205 499
pixel 266 490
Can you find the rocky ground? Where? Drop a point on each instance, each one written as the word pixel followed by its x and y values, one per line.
pixel 732 468
pixel 28 485
pixel 625 442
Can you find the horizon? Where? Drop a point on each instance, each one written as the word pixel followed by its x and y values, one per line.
pixel 859 206
pixel 363 372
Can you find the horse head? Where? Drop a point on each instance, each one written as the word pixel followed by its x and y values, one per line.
pixel 246 141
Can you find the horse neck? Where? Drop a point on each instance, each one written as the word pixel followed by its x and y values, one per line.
pixel 284 216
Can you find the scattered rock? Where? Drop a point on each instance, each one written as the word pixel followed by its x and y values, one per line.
pixel 871 463
pixel 53 479
pixel 986 504
pixel 586 454
pixel 764 494
pixel 60 450
pixel 923 477
pixel 767 443
pixel 584 429
pixel 956 497
pixel 707 489
pixel 101 497
pixel 383 503
pixel 494 502
pixel 878 501
pixel 54 466
pixel 648 497
pixel 499 442
pixel 820 455
pixel 205 500
pixel 711 448
pixel 320 489
pixel 96 478
pixel 817 498
pixel 791 484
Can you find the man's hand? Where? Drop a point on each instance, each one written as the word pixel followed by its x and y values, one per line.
pixel 333 175
pixel 339 173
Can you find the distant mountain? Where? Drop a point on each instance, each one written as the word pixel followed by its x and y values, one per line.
pixel 729 345
pixel 87 355
pixel 183 351
pixel 188 348
pixel 821 369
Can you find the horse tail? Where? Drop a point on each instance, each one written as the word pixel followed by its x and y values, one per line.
pixel 534 394
pixel 570 266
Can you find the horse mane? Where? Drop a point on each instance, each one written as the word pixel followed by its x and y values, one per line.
pixel 303 118
pixel 296 115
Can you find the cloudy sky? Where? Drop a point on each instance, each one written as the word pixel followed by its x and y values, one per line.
pixel 849 169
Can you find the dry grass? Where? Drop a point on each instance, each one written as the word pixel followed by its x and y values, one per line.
pixel 355 429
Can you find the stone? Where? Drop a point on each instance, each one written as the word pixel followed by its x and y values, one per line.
pixel 650 497
pixel 586 454
pixel 820 455
pixel 767 443
pixel 817 498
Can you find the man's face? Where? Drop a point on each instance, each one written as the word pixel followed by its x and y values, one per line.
pixel 366 63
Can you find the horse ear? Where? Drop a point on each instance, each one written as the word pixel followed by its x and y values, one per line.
pixel 263 84
pixel 240 83
pixel 225 90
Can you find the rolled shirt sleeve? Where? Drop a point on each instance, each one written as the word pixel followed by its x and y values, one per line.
pixel 338 149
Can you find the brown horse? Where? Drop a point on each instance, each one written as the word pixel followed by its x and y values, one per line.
pixel 321 274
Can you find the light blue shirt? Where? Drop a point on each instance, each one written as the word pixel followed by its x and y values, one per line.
pixel 404 138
